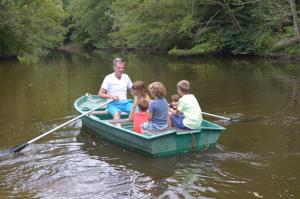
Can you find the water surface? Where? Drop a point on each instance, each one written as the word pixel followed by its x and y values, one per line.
pixel 258 156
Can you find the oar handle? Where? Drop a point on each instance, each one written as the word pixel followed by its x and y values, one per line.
pixel 216 116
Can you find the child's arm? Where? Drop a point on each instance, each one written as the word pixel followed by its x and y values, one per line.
pixel 176 112
pixel 171 110
pixel 135 103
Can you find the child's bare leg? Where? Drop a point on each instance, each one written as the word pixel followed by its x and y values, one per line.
pixel 117 117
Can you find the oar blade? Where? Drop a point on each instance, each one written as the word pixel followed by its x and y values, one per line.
pixel 13 150
pixel 19 148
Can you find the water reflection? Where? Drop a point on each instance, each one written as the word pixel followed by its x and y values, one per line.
pixel 188 175
pixel 73 163
pixel 62 168
pixel 260 147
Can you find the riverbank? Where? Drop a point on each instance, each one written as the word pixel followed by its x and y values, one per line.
pixel 278 56
pixel 2 57
pixel 77 48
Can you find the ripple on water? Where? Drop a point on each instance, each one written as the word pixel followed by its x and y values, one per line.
pixel 66 166
pixel 201 175
pixel 281 121
pixel 62 168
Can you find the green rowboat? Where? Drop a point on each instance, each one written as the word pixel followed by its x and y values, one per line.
pixel 151 143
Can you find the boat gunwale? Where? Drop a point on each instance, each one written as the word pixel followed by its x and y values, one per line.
pixel 147 135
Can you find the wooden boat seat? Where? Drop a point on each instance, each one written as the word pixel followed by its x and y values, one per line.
pixel 113 121
pixel 104 112
pixel 149 132
pixel 173 129
pixel 185 131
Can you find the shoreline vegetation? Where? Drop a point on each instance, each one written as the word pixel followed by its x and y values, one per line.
pixel 77 48
pixel 260 29
pixel 279 56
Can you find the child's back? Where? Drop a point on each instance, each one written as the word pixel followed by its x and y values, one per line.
pixel 189 106
pixel 158 108
pixel 140 116
pixel 139 95
pixel 188 114
pixel 138 119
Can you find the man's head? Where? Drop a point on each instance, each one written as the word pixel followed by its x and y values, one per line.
pixel 118 66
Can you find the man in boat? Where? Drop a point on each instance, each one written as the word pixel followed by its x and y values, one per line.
pixel 114 87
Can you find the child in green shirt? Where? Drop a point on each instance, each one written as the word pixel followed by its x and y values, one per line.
pixel 188 114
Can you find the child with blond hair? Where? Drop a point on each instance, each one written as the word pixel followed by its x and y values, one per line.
pixel 158 108
pixel 188 114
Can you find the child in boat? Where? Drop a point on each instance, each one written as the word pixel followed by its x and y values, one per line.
pixel 139 95
pixel 173 106
pixel 158 108
pixel 189 106
pixel 140 116
pixel 174 103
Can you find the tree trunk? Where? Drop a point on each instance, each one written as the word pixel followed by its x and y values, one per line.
pixel 230 11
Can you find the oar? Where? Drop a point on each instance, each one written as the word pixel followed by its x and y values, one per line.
pixel 216 116
pixel 20 147
pixel 212 115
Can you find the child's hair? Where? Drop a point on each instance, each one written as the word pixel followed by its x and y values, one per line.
pixel 175 98
pixel 157 89
pixel 139 86
pixel 143 105
pixel 184 86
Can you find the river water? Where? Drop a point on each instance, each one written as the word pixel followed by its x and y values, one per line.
pixel 258 156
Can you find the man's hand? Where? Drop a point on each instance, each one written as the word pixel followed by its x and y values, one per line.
pixel 114 97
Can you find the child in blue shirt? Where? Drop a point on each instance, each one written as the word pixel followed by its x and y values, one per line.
pixel 158 108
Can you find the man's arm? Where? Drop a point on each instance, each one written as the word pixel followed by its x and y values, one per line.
pixel 103 94
pixel 131 92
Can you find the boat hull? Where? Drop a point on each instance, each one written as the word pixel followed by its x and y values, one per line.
pixel 154 144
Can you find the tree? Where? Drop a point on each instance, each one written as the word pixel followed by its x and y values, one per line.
pixel 30 27
pixel 91 22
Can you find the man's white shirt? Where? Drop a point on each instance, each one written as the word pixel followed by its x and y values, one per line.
pixel 115 86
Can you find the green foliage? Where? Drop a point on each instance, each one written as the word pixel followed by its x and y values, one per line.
pixel 151 24
pixel 90 22
pixel 264 41
pixel 210 42
pixel 30 27
pixel 286 43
